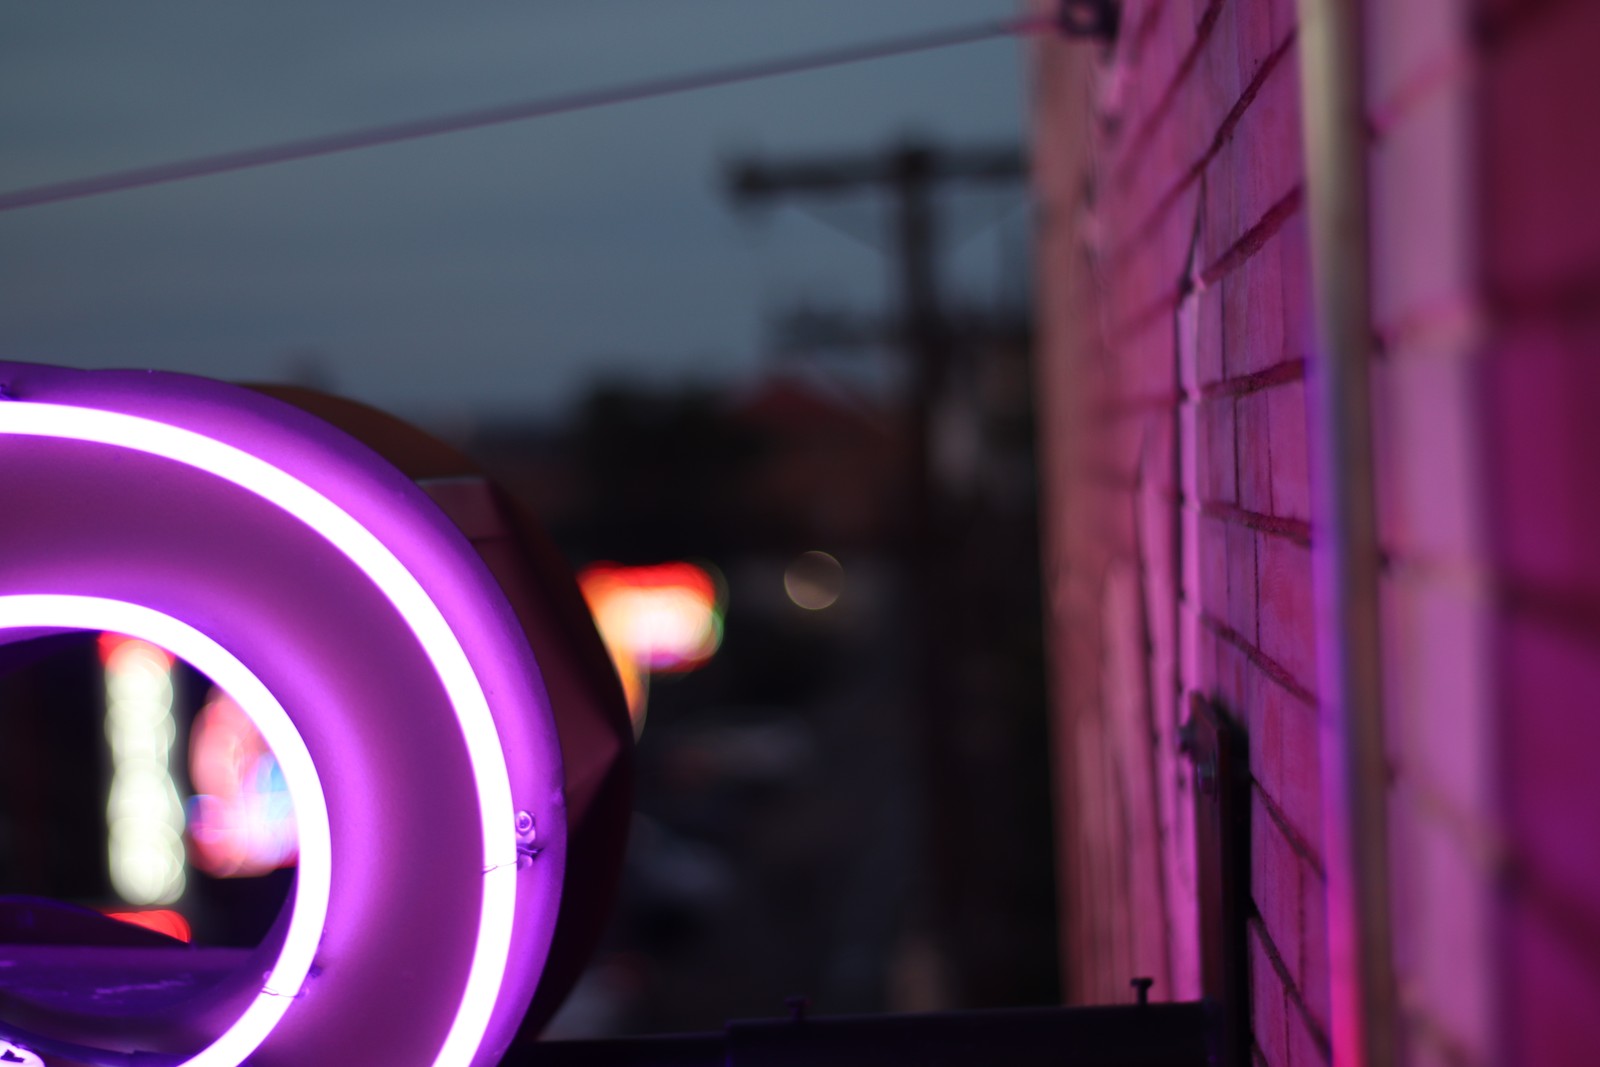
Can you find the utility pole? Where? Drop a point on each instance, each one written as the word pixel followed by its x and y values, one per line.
pixel 911 175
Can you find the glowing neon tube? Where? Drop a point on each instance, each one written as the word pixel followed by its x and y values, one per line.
pixel 439 643
pixel 314 882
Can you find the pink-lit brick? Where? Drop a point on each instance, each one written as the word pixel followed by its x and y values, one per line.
pixel 1174 238
pixel 1424 252
pixel 1550 677
pixel 1551 985
pixel 1298 777
pixel 1241 547
pixel 1294 260
pixel 1540 393
pixel 1214 569
pixel 1432 453
pixel 1260 164
pixel 1209 337
pixel 1256 38
pixel 1269 152
pixel 1438 651
pixel 1313 971
pixel 1219 229
pixel 1287 609
pixel 1286 430
pixel 1264 719
pixel 1408 41
pixel 1306 1049
pixel 1219 465
pixel 1268 1005
pixel 1206 657
pixel 1234 679
pixel 1275 872
pixel 1256 445
pixel 1447 958
pixel 1253 313
pixel 1541 151
pixel 1189 453
pixel 1406 890
pixel 1215 82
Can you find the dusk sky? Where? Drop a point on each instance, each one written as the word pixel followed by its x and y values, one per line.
pixel 487 274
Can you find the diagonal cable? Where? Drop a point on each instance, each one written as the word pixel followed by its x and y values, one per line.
pixel 477 118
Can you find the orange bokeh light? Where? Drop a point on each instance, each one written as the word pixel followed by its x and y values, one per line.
pixel 660 619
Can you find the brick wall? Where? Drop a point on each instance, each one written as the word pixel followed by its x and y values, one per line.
pixel 1175 311
pixel 1176 326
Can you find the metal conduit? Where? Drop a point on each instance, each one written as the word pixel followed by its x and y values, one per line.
pixel 1354 763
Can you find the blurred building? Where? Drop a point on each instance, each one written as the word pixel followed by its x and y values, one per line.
pixel 1178 370
pixel 803 828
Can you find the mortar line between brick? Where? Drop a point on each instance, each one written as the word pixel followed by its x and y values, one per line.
pixel 1291 991
pixel 1296 530
pixel 1460 318
pixel 1268 666
pixel 1256 236
pixel 1141 139
pixel 1451 64
pixel 1301 846
pixel 1290 370
pixel 1230 122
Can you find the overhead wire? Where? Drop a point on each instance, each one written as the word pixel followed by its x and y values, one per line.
pixel 519 111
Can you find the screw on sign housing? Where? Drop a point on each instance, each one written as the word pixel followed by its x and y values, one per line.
pixel 527 836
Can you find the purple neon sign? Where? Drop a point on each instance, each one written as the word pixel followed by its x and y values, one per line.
pixel 233 437
pixel 309 905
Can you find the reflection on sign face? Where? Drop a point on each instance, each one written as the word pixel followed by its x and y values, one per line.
pixel 241 817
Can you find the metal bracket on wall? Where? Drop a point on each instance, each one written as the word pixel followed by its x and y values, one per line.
pixel 1217 748
pixel 1094 19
